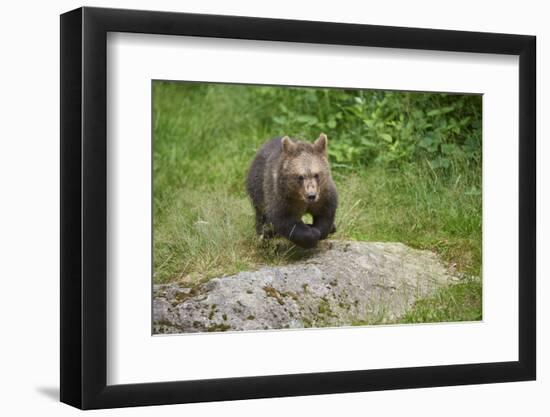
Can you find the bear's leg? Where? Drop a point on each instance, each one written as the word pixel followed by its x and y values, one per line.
pixel 263 229
pixel 296 231
pixel 260 221
pixel 324 222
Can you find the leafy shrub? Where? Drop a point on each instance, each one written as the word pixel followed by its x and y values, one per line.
pixel 383 127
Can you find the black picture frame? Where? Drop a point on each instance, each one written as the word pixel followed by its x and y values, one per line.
pixel 84 207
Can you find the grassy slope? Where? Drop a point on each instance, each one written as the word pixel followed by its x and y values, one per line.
pixel 204 139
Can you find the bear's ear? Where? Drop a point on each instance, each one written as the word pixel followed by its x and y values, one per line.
pixel 321 143
pixel 288 145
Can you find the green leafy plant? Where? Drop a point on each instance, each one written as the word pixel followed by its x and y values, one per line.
pixel 387 128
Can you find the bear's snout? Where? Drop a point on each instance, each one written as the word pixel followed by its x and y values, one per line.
pixel 311 190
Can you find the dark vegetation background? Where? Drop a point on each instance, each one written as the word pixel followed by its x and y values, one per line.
pixel 407 167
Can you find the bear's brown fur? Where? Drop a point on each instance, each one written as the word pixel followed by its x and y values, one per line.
pixel 288 179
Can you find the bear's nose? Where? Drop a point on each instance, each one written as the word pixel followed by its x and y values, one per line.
pixel 311 196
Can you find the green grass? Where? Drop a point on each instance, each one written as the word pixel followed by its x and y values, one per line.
pixel 206 136
pixel 458 302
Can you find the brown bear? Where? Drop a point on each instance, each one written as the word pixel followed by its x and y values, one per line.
pixel 287 179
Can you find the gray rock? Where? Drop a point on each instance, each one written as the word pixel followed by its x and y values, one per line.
pixel 341 284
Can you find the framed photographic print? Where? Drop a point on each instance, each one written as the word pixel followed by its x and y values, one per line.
pixel 257 207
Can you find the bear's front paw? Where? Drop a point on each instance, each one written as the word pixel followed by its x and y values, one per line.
pixel 315 233
pixel 308 238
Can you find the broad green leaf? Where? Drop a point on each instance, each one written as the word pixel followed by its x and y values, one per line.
pixel 385 136
pixel 307 119
pixel 426 142
pixel 448 148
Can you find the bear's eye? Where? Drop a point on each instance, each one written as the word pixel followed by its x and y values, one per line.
pixel 316 176
pixel 301 178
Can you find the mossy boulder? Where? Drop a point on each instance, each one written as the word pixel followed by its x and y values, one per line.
pixel 341 283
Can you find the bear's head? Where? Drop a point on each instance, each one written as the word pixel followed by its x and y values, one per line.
pixel 305 169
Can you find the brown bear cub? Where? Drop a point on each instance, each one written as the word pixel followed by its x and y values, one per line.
pixel 288 179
